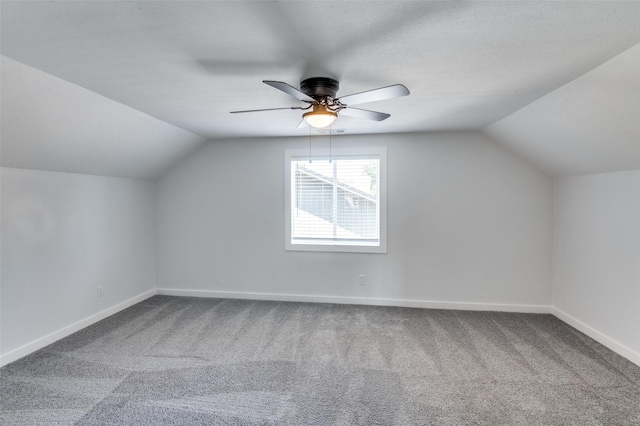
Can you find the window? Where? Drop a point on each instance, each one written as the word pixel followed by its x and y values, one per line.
pixel 337 203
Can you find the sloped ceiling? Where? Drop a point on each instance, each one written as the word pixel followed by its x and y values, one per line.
pixel 589 125
pixel 467 64
pixel 51 124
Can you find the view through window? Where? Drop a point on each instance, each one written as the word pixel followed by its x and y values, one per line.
pixel 335 202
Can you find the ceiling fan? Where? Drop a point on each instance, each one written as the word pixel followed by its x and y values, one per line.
pixel 320 94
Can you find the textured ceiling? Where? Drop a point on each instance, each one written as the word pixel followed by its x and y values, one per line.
pixel 467 65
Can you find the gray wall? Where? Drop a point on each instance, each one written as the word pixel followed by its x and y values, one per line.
pixel 63 235
pixel 596 285
pixel 467 222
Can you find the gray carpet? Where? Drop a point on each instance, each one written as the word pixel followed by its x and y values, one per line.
pixel 187 361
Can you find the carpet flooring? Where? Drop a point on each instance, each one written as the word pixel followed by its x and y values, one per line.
pixel 189 361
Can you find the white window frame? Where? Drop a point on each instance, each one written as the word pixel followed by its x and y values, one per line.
pixel 380 152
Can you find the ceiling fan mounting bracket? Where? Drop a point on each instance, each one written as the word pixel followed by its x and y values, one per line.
pixel 320 87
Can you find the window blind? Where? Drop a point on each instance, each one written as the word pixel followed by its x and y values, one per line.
pixel 335 201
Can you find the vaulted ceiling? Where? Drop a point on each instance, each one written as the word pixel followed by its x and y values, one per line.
pixel 467 64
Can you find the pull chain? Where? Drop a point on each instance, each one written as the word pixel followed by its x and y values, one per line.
pixel 330 156
pixel 309 144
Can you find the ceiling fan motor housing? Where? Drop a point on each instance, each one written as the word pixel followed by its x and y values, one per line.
pixel 317 87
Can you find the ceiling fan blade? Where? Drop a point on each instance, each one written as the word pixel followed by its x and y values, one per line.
pixel 290 90
pixel 266 109
pixel 373 95
pixel 364 113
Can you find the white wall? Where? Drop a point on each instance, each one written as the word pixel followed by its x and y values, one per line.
pixel 62 236
pixel 596 284
pixel 468 223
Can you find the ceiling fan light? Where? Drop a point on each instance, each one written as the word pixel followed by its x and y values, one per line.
pixel 319 119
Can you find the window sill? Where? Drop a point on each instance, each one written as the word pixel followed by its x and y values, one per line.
pixel 338 248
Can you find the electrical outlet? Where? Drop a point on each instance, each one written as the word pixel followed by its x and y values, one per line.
pixel 99 291
pixel 362 279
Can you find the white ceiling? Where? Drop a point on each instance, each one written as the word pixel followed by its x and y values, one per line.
pixel 468 65
pixel 189 63
pixel 589 125
pixel 51 124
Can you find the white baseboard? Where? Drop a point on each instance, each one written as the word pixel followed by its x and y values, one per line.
pixel 40 343
pixel 615 346
pixel 348 300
